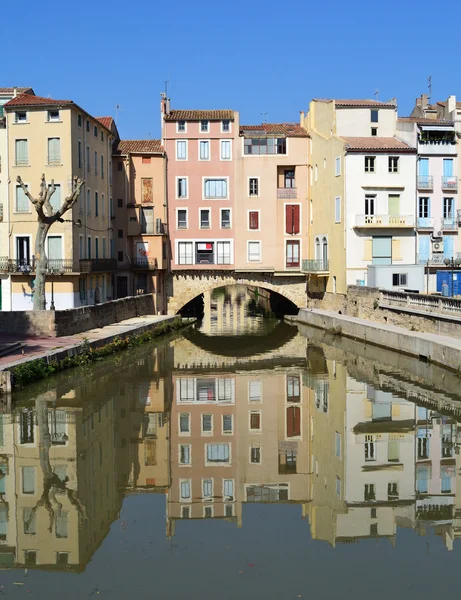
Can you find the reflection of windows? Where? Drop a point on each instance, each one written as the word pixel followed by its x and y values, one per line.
pixel 254 392
pixel 61 523
pixel 370 448
pixel 227 423
pixel 422 478
pixel 228 489
pixel 287 463
pixel 337 444
pixel 293 421
pixel 184 423
pixel 186 389
pixel 218 453
pixel 207 489
pixel 255 455
pixel 229 510
pixel 392 490
pixel 208 512
pixel 255 420
pixel 57 424
pixel 338 487
pixel 446 473
pixel 30 557
pixel 225 390
pixel 267 493
pixel 150 452
pixel 206 390
pixel 293 387
pixel 4 521
pixel 369 492
pixel 393 451
pixel 184 489
pixel 62 559
pixel 184 454
pixel 423 447
pixel 322 393
pixel 26 424
pixel 185 512
pixel 28 519
pixel 28 480
pixel 207 423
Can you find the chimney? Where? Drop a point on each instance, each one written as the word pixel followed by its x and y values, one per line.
pixel 451 104
pixel 15 92
pixel 424 101
pixel 301 117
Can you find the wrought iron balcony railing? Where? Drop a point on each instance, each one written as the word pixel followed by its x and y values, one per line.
pixel 315 265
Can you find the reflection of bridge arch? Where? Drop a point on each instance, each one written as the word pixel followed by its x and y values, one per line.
pixel 187 285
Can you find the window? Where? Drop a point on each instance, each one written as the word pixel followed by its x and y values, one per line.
pixel 96 247
pixel 338 487
pixel 255 455
pixel 293 388
pixel 225 218
pixel 382 250
pixel 181 150
pixel 27 422
pixel 253 219
pixel 254 390
pixel 20 117
pixel 181 189
pixel 120 234
pixel 204 153
pixel 292 219
pixel 96 204
pixel 207 423
pixel 120 256
pixel 55 199
pixel 253 186
pixel 79 154
pixel 218 453
pixel 393 451
pixel 181 126
pixel 338 209
pixel 448 210
pixel 22 201
pixel 255 420
pixel 88 164
pixel 207 489
pixel 184 454
pixel 369 492
pixel 22 153
pixel 103 205
pixel 370 448
pixel 119 165
pixel 399 279
pixel 88 202
pixel 227 424
pixel 265 146
pixel 373 116
pixel 374 131
pixel 289 179
pixel 226 150
pixel 182 218
pixel 30 557
pixel 215 188
pixel 102 136
pixel 370 202
pixel 337 166
pixel 28 519
pixel 292 253
pixel 204 253
pixel 423 208
pixel 104 250
pixel 95 162
pixel 204 126
pixel 370 164
pixel 119 202
pixel 28 480
pixel 53 115
pixel 184 489
pixel 393 204
pixel 204 218
pixel 88 126
pixel 89 247
pixel 392 490
pixel 224 253
pixel 102 166
pixel 185 512
pixel 62 559
pixel 445 476
pixel 147 220
pixel 254 251
pixel 23 252
pixel 184 423
pixel 225 125
pixel 337 444
pixel 61 524
pixel 393 164
pixel 185 253
pixel 54 151
pixel 95 131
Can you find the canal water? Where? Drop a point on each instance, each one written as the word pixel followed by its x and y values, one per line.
pixel 244 458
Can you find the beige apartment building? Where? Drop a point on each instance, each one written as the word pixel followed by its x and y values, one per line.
pixel 61 140
pixel 139 220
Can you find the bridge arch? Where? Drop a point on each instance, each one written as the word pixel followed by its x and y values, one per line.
pixel 188 285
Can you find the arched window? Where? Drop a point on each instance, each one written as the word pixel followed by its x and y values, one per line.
pixel 324 249
pixel 317 248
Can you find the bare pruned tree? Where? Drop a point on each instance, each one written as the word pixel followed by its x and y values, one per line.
pixel 46 217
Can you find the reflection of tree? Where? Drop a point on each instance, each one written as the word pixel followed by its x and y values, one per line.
pixel 52 484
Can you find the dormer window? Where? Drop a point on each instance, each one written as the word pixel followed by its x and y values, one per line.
pixel 20 117
pixel 53 115
pixel 181 126
pixel 204 126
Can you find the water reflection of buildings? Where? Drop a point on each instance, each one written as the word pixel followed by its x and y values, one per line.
pixel 401 458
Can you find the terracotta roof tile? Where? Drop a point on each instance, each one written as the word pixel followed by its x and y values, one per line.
pixel 364 103
pixel 139 147
pixel 424 121
pixel 286 129
pixel 376 144
pixel 105 121
pixel 31 100
pixel 200 115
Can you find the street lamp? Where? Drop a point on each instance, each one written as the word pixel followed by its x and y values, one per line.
pixel 452 262
pixel 54 271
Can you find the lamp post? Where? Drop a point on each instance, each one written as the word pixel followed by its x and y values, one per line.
pixel 452 262
pixel 52 272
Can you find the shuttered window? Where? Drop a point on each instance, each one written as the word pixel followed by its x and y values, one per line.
pixel 55 199
pixel 28 480
pixel 253 217
pixel 22 153
pixel 54 151
pixel 293 421
pixel 217 453
pixel 292 219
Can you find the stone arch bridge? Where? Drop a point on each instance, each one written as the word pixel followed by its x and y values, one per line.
pixel 187 285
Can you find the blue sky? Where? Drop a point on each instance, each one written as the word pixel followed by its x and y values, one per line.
pixel 253 56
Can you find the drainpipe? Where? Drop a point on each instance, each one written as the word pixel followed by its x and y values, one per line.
pixel 7 207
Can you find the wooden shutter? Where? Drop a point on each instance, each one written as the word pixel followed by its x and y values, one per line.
pixel 254 220
pixel 289 218
pixel 296 224
pixel 293 421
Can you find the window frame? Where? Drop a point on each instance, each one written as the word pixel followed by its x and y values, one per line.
pixel 248 251
pixel 178 254
pixel 258 212
pixel 399 276
pixel 225 432
pixel 250 195
pixel 221 221
pixel 338 215
pixel 49 119
pixel 177 179
pixel 203 431
pixel 374 112
pixel 207 129
pixel 218 463
pixel 223 178
pixel 178 130
pixel 180 141
pixel 229 129
pixel 371 167
pixel 19 121
pixel 185 208
pixel 199 144
pixel 258 413
pixel 203 208
pixel 391 164
pixel 229 141
pixel 185 433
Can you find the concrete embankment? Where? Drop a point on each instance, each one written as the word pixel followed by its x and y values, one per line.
pixel 438 349
pixel 100 342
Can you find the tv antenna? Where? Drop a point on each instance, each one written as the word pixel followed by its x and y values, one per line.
pixel 376 94
pixel 429 86
pixel 264 115
pixel 166 88
pixel 117 108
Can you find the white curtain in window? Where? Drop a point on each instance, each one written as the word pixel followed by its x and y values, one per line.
pixel 54 151
pixel 22 154
pixel 22 202
pixel 223 253
pixel 225 149
pixel 185 489
pixel 229 488
pixel 218 452
pixel 204 150
pixel 185 253
pixel 255 390
pixel 207 488
pixel 55 199
pixel 216 188
pixel 181 149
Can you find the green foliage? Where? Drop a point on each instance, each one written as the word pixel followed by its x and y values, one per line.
pixel 35 370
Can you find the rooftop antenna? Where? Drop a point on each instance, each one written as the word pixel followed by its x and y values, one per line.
pixel 376 94
pixel 117 108
pixel 429 86
pixel 264 115
pixel 166 88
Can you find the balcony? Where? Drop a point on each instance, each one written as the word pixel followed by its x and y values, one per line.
pixel 425 182
pixel 22 266
pixel 450 183
pixel 399 221
pixel 449 224
pixel 315 265
pixel 287 193
pixel 425 223
pixel 145 264
pixel 437 146
pixel 435 259
pixel 97 265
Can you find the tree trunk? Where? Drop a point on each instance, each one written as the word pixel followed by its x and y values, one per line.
pixel 40 266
